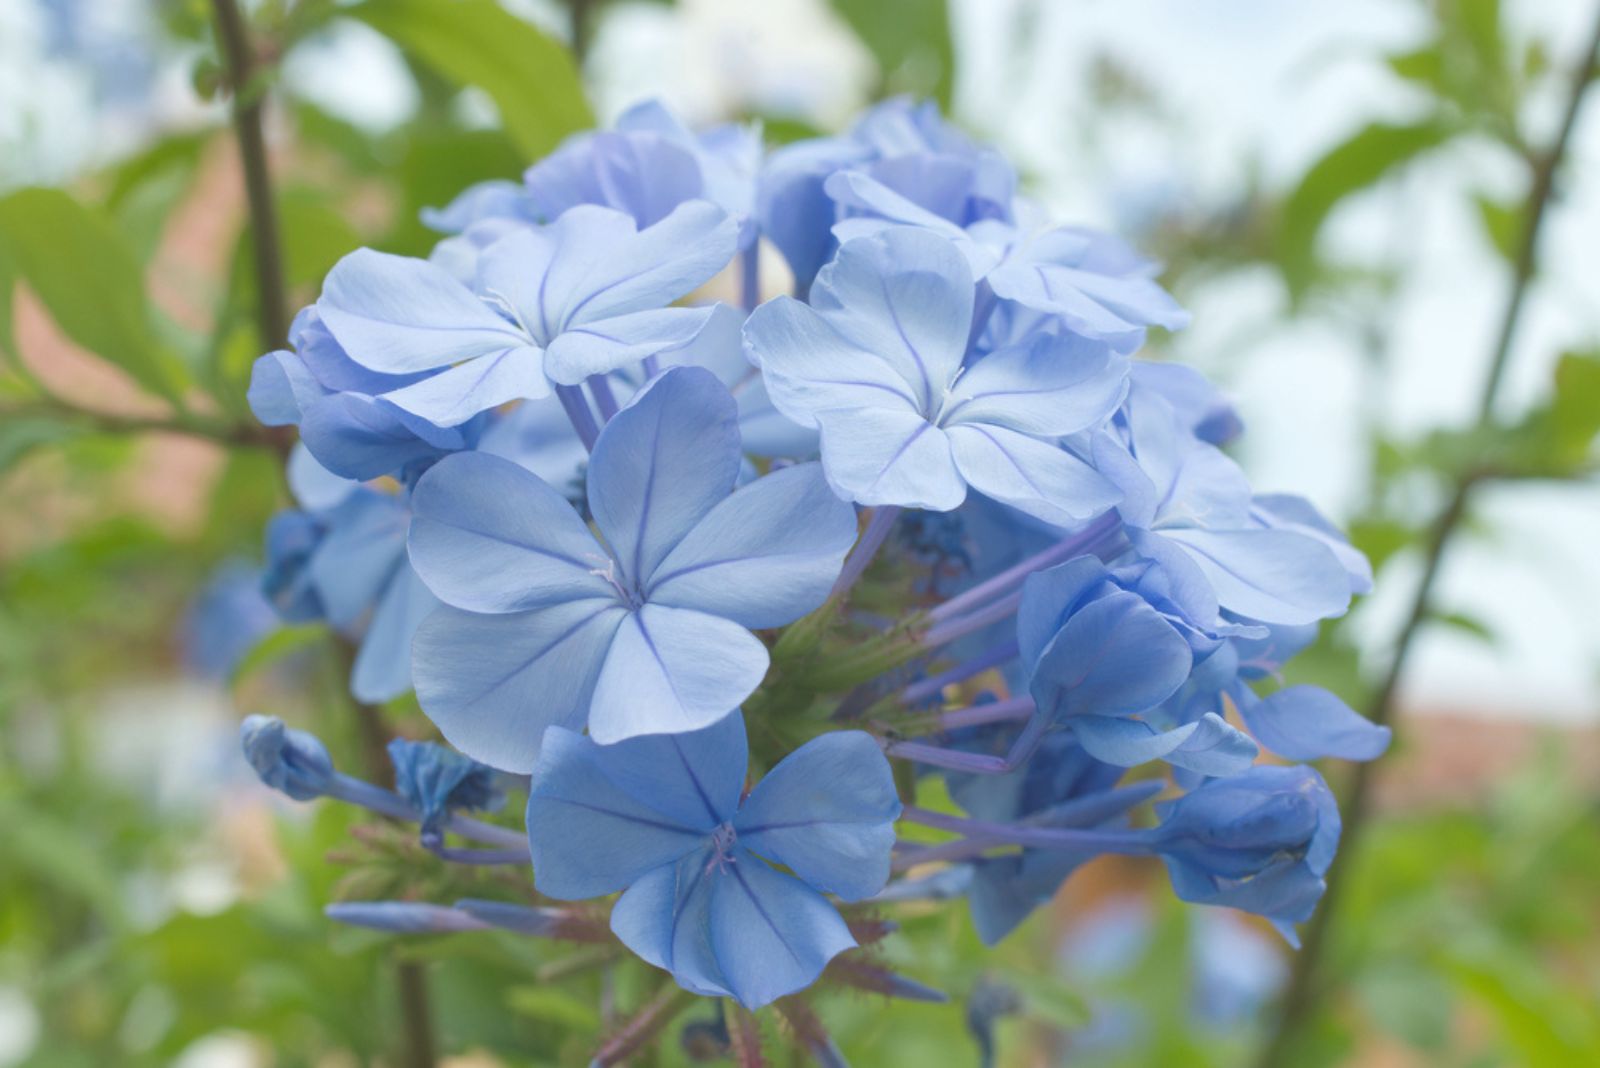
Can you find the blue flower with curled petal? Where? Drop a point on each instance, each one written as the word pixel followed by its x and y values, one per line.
pixel 585 295
pixel 641 628
pixel 1260 842
pixel 1103 648
pixel 878 363
pixel 661 819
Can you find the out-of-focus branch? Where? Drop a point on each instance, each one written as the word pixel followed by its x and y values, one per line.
pixel 238 65
pixel 222 432
pixel 1306 983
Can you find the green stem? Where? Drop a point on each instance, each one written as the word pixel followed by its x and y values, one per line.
pixel 1306 984
pixel 238 435
pixel 238 65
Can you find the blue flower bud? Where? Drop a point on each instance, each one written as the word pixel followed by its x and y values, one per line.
pixel 290 761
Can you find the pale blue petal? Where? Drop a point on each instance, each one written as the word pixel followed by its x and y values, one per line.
pixel 1309 723
pixel 280 388
pixel 665 918
pixel 451 397
pixel 906 297
pixel 660 465
pixel 1273 576
pixel 1116 656
pixel 589 835
pixel 313 486
pixel 1051 386
pixel 1049 597
pixel 764 556
pixel 827 812
pixel 1285 511
pixel 1208 746
pixel 382 670
pixel 811 368
pixel 1033 476
pixel 772 934
pixel 359 555
pixel 488 536
pixel 672 670
pixel 492 684
pixel 361 437
pixel 397 314
pixel 884 456
pixel 609 344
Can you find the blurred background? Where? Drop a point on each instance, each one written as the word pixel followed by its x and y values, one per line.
pixel 1384 215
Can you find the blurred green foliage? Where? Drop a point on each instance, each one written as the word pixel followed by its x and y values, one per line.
pixel 1469 936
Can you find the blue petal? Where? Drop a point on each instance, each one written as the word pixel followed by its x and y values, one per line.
pixel 382 670
pixel 1051 386
pixel 1208 746
pixel 906 297
pixel 609 344
pixel 764 556
pixel 357 559
pixel 396 314
pixel 660 465
pixel 670 669
pixel 885 456
pixel 1309 723
pixel 491 684
pixel 361 437
pixel 589 835
pixel 488 536
pixel 1116 656
pixel 827 812
pixel 280 388
pixel 453 396
pixel 1050 597
pixel 811 368
pixel 1033 476
pixel 1273 576
pixel 693 779
pixel 771 933
pixel 665 917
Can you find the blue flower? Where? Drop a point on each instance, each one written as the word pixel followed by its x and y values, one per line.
pixel 1260 842
pixel 226 620
pixel 287 760
pixel 435 780
pixel 1104 648
pixel 660 818
pixel 585 295
pixel 1190 508
pixel 647 630
pixel 646 166
pixel 899 145
pixel 878 363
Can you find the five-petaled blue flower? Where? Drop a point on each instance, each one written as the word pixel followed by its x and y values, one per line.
pixel 878 362
pixel 661 819
pixel 643 630
pixel 555 304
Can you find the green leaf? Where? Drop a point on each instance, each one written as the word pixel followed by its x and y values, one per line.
pixel 552 1004
pixel 1359 162
pixel 530 77
pixel 1575 408
pixel 86 276
pixel 1502 223
pixel 910 40
pixel 276 646
pixel 438 164
pixel 1466 624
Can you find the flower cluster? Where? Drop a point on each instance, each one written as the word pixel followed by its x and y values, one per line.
pixel 930 507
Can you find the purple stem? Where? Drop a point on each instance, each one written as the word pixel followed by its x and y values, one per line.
pixel 949 629
pixel 577 409
pixel 866 547
pixel 1133 843
pixel 1078 543
pixel 918 692
pixel 480 856
pixel 1007 711
pixel 1025 745
pixel 604 399
pixel 750 277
